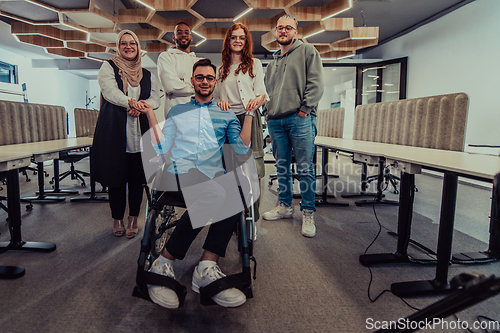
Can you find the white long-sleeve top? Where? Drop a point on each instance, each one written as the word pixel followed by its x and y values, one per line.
pixel 175 69
pixel 247 87
pixel 111 93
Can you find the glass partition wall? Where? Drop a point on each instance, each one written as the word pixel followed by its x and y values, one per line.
pixel 349 85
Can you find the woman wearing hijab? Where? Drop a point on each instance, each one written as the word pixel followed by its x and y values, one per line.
pixel 240 88
pixel 116 152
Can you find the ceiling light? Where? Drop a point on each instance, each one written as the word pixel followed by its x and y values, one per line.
pixel 353 38
pixel 393 92
pixel 74 27
pixel 243 14
pixel 388 84
pixel 347 56
pixel 96 59
pixel 314 33
pixel 201 41
pixel 145 5
pixel 369 69
pixel 341 11
pixel 374 76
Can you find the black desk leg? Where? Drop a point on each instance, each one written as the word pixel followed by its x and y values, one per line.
pixel 12 272
pixel 41 191
pixel 93 197
pixel 493 252
pixel 405 215
pixel 379 198
pixel 57 189
pixel 324 183
pixel 364 185
pixel 16 243
pixel 440 283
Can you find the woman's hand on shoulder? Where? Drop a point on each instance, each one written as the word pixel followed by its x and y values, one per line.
pixel 224 105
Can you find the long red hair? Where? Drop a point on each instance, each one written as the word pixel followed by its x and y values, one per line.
pixel 246 64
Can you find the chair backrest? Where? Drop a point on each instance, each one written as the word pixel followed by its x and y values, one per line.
pixel 431 122
pixel 330 122
pixel 27 122
pixel 85 121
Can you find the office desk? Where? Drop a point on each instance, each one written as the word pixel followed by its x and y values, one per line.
pixel 365 152
pixel 410 160
pixel 47 150
pixel 10 163
pixel 452 164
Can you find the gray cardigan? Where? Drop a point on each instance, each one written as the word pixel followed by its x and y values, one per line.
pixel 294 81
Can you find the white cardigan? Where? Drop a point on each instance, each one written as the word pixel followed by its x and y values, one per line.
pixel 111 93
pixel 249 87
pixel 175 69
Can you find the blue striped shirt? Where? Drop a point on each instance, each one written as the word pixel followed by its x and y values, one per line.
pixel 195 135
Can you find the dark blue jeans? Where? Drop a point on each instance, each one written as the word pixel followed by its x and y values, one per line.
pixel 297 133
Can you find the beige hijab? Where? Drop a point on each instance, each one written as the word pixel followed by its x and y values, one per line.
pixel 130 70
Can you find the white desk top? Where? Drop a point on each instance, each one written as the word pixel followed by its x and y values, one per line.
pixel 352 146
pixel 475 165
pixel 14 160
pixel 11 156
pixel 45 147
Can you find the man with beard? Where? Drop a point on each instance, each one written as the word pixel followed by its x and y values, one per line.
pixel 294 82
pixel 195 133
pixel 175 66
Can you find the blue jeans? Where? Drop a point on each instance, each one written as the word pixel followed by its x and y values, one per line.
pixel 297 133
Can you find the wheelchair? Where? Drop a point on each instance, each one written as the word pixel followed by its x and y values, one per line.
pixel 162 207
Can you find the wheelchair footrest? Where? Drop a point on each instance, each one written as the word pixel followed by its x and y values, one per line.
pixel 144 278
pixel 242 281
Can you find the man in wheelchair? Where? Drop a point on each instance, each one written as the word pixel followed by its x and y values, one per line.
pixel 194 135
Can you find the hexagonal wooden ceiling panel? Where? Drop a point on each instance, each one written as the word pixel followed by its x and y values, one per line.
pixel 88 28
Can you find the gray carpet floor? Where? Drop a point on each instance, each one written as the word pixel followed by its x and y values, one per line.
pixel 302 284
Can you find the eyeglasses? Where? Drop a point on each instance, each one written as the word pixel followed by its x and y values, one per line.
pixel 183 32
pixel 200 78
pixel 288 28
pixel 235 38
pixel 131 44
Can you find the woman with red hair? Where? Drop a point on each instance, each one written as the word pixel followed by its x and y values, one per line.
pixel 240 87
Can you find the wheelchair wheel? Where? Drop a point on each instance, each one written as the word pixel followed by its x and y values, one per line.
pixel 164 220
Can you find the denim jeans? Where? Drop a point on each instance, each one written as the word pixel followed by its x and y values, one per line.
pixel 297 133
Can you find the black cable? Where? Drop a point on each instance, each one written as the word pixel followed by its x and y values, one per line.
pixel 370 270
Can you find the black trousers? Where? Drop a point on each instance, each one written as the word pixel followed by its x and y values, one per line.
pixel 134 176
pixel 219 233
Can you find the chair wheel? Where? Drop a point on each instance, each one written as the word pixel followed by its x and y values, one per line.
pixel 83 185
pixel 29 207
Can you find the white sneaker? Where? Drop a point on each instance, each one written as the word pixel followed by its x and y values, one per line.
pixel 279 212
pixel 229 298
pixel 163 296
pixel 308 226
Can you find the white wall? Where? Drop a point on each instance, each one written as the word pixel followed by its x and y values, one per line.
pixel 457 53
pixel 48 86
